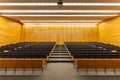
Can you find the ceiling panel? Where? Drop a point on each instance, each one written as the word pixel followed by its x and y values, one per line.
pixel 60 18
pixel 59 8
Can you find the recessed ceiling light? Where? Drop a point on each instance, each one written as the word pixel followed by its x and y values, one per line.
pixel 28 4
pixel 55 4
pixel 59 11
pixel 56 15
pixel 59 24
pixel 91 4
pixel 61 21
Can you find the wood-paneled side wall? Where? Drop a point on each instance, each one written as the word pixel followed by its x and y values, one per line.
pixel 109 31
pixel 60 34
pixel 10 31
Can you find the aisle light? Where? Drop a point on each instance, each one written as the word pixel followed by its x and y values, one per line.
pixel 59 11
pixel 55 15
pixel 55 4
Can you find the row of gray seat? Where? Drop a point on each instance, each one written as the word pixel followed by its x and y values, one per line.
pixel 92 50
pixel 27 50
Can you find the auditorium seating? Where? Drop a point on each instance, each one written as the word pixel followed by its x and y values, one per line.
pixel 25 54
pixel 94 54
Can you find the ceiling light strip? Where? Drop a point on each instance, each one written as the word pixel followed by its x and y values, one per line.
pixel 28 4
pixel 56 15
pixel 61 23
pixel 55 4
pixel 29 25
pixel 60 20
pixel 59 11
pixel 49 24
pixel 91 4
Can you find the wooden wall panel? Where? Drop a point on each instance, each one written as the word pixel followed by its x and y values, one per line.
pixel 60 34
pixel 10 31
pixel 109 31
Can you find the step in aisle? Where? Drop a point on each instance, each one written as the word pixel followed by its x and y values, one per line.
pixel 60 54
